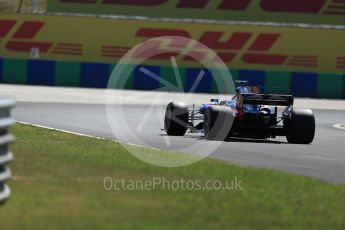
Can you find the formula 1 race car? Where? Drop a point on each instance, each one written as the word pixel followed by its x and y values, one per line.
pixel 249 114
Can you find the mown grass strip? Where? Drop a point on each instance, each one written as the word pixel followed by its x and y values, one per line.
pixel 58 184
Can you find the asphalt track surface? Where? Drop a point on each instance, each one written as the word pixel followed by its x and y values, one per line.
pixel 324 159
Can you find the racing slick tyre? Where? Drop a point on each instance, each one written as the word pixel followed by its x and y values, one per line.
pixel 176 119
pixel 218 123
pixel 300 128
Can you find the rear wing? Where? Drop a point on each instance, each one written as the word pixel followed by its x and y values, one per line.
pixel 268 99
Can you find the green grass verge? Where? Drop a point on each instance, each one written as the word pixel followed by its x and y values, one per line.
pixel 58 184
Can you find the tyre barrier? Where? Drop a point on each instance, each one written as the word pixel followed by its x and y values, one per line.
pixel 6 156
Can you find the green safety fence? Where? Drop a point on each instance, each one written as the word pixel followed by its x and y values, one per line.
pixel 96 75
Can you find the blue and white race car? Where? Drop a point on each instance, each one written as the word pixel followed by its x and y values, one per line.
pixel 249 114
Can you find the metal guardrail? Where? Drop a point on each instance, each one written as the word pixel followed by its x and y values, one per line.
pixel 6 156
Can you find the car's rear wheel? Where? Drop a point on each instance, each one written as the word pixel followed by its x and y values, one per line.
pixel 300 127
pixel 218 122
pixel 176 119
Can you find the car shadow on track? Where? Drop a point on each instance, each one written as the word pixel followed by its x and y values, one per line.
pixel 235 139
pixel 260 141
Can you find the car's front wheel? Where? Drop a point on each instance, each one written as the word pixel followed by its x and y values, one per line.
pixel 176 119
pixel 218 122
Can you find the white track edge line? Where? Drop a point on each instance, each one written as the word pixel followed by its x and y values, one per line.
pixel 85 135
pixel 339 126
